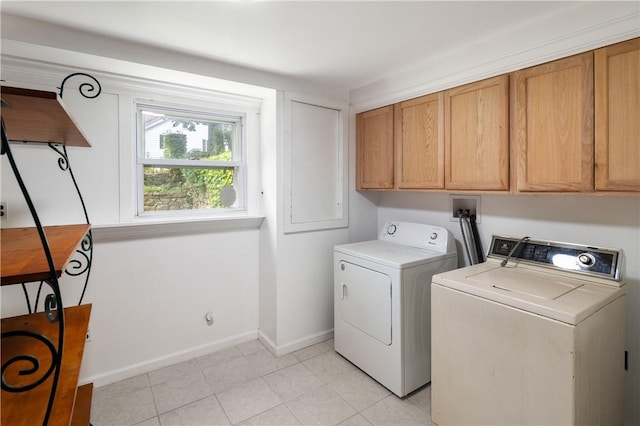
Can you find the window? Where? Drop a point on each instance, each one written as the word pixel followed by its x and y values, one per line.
pixel 188 161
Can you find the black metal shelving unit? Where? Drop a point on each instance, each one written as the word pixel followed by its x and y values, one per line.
pixel 42 350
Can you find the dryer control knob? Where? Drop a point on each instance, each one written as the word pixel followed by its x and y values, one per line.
pixel 391 229
pixel 433 236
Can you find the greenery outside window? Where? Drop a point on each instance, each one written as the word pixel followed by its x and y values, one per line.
pixel 189 162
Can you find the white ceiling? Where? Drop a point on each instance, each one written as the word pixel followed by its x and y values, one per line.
pixel 346 44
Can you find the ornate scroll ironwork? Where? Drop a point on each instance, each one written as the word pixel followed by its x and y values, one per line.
pixel 86 88
pixel 82 263
pixel 35 362
pixel 63 161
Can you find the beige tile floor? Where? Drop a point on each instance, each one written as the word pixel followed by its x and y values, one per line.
pixel 247 385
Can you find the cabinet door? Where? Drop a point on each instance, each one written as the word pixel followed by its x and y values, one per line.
pixel 419 135
pixel 617 82
pixel 374 149
pixel 477 135
pixel 553 125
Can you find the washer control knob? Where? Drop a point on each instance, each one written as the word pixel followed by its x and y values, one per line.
pixel 434 236
pixel 586 259
pixel 391 229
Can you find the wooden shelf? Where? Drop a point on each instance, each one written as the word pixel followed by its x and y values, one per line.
pixel 82 408
pixel 38 116
pixel 23 258
pixel 28 408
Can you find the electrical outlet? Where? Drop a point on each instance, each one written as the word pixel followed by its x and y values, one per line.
pixel 208 317
pixel 3 210
pixel 89 338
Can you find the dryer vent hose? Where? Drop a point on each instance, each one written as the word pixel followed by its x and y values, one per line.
pixel 470 237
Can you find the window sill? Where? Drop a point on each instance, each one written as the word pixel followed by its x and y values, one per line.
pixel 151 228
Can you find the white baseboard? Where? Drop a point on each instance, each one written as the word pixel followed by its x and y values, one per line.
pixel 176 357
pixel 295 345
pixel 267 342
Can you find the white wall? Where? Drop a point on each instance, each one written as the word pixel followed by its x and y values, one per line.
pixel 296 269
pixel 269 180
pixel 150 296
pixel 305 287
pixel 582 26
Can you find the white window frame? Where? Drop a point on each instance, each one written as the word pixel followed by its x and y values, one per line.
pixel 239 161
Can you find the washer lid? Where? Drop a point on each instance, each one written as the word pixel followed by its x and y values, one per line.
pixel 565 297
pixel 543 286
pixel 391 254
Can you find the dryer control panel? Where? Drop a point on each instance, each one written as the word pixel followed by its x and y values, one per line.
pixel 596 261
pixel 419 235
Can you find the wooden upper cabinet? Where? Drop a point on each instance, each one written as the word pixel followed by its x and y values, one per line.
pixel 553 125
pixel 617 92
pixel 419 137
pixel 477 135
pixel 374 149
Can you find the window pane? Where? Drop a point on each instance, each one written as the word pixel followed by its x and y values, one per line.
pixel 189 188
pixel 176 137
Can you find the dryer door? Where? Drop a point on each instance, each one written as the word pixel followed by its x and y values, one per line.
pixel 364 300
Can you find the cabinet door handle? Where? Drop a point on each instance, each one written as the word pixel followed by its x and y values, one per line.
pixel 345 291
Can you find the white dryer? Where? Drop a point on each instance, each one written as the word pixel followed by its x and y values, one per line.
pixel 534 336
pixel 382 301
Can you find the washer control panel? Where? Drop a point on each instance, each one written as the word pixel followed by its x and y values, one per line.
pixel 418 235
pixel 601 262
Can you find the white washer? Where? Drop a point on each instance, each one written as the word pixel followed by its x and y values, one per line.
pixel 382 301
pixel 539 341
